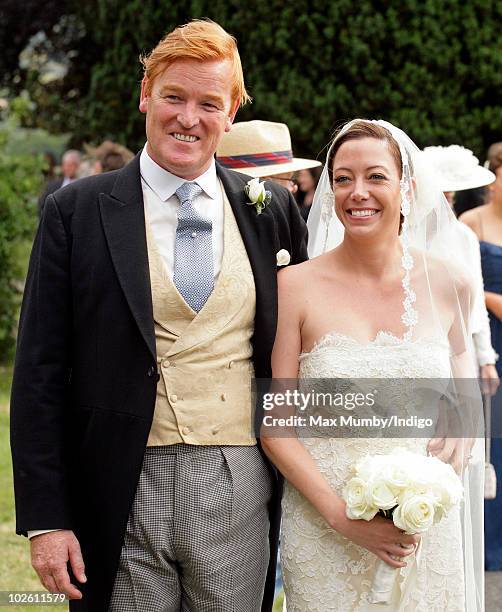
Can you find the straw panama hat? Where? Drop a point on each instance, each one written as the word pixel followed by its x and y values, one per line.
pixel 458 168
pixel 260 148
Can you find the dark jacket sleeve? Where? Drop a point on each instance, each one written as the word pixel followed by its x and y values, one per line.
pixel 40 390
pixel 298 230
pixel 292 229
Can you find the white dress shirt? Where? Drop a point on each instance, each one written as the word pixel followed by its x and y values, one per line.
pixel 67 180
pixel 162 205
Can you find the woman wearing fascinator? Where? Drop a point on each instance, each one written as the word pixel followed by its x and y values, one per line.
pixel 384 296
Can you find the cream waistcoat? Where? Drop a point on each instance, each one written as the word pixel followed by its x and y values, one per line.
pixel 204 359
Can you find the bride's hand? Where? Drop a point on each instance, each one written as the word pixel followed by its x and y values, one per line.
pixel 447 446
pixel 381 537
pixel 455 451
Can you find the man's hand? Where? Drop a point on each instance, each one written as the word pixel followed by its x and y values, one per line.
pixel 50 553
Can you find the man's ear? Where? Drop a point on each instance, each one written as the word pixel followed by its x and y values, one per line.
pixel 143 100
pixel 231 114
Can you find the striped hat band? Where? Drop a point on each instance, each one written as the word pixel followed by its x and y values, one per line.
pixel 256 159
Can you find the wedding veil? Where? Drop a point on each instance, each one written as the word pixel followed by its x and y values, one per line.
pixel 437 302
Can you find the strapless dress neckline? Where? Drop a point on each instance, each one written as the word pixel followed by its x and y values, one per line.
pixel 382 338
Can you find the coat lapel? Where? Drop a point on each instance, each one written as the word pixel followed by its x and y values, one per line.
pixel 122 213
pixel 259 236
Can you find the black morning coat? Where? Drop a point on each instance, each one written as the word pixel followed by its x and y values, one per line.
pixel 85 376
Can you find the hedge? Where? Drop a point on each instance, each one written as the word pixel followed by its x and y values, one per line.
pixel 434 67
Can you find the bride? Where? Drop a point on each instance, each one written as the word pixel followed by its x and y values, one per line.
pixel 380 299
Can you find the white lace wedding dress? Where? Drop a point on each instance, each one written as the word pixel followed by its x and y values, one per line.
pixel 322 570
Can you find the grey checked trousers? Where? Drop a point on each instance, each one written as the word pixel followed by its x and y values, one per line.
pixel 197 535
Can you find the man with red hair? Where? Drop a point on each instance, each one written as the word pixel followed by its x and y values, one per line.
pixel 150 304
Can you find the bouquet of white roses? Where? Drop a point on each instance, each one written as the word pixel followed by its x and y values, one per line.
pixel 416 491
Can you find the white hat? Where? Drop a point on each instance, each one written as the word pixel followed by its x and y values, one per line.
pixel 260 148
pixel 458 168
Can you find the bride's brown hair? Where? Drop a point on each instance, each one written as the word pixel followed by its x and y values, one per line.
pixel 365 129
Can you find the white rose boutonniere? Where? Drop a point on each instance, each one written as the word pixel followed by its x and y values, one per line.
pixel 259 197
pixel 283 257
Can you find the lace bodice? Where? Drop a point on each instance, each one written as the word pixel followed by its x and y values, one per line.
pixel 336 355
pixel 322 569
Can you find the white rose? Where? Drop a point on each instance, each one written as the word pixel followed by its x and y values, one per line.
pixel 381 495
pixel 447 491
pixel 283 257
pixel 356 499
pixel 397 476
pixel 365 467
pixel 361 512
pixel 413 490
pixel 256 190
pixel 415 514
pixel 355 491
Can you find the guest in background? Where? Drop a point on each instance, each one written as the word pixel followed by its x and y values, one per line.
pixel 262 149
pixel 458 170
pixel 307 182
pixel 486 222
pixel 70 164
pixel 50 166
pixel 493 155
pixel 49 173
pixel 470 198
pixel 109 156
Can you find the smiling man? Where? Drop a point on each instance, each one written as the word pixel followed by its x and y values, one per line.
pixel 150 303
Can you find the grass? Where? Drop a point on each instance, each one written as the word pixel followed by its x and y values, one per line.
pixel 16 573
pixel 278 602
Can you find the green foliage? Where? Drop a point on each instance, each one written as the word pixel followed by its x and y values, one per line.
pixel 434 67
pixel 279 602
pixel 18 22
pixel 20 183
pixel 16 572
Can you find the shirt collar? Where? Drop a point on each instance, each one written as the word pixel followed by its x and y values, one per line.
pixel 164 183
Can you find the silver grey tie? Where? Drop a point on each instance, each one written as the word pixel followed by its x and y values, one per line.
pixel 193 253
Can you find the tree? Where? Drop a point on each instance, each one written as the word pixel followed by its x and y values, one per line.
pixel 20 183
pixel 18 22
pixel 433 67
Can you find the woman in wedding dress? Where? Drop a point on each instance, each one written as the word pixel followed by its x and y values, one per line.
pixel 378 305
